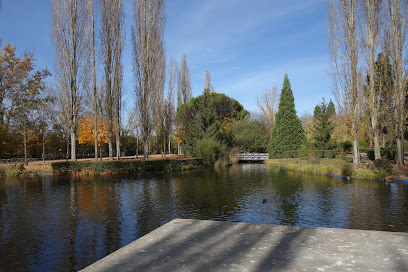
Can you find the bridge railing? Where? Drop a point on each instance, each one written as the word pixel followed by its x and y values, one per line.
pixel 253 156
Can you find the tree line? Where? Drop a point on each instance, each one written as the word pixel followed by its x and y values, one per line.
pixel 367 42
pixel 88 39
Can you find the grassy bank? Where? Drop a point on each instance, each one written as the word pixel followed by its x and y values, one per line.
pixel 125 166
pixel 339 166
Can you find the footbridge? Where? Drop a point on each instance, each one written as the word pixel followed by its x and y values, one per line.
pixel 253 156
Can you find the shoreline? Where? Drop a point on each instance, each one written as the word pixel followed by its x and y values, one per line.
pixel 45 168
pixel 333 167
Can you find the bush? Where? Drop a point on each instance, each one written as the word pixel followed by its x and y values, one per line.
pixel 388 153
pixel 313 169
pixel 347 146
pixel 14 170
pixel 383 164
pixel 365 174
pixel 347 171
pixel 209 150
pixel 329 169
pixel 381 174
pixel 2 172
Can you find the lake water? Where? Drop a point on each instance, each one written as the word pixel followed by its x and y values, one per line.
pixel 53 223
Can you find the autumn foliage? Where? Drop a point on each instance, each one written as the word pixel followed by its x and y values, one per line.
pixel 86 131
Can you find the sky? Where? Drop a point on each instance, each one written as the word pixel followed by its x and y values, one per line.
pixel 246 45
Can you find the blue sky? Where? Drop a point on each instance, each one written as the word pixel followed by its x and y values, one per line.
pixel 246 45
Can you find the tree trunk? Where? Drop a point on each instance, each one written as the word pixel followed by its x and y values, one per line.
pixel 110 144
pixel 377 151
pixel 25 141
pixel 73 146
pixel 146 150
pixel 137 147
pixel 400 151
pixel 43 151
pixel 67 155
pixel 164 146
pixel 96 138
pixel 169 146
pixel 356 154
pixel 118 145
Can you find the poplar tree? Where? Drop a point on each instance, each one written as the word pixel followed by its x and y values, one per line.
pixel 70 36
pixel 288 133
pixel 148 62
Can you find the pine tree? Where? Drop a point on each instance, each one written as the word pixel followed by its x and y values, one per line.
pixel 288 133
pixel 323 125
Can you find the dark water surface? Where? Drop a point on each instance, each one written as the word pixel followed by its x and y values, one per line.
pixel 64 224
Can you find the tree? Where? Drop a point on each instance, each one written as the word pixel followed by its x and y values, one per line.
pixel 70 35
pixel 170 113
pixel 307 124
pixel 95 94
pixel 207 86
pixel 384 83
pixel 23 89
pixel 343 46
pixel 287 133
pixel 183 83
pixel 112 41
pixel 396 42
pixel 268 105
pixel 208 116
pixel 250 136
pixel 323 124
pixel 148 61
pixel 370 36
pixel 86 131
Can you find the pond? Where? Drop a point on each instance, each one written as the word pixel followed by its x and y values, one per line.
pixel 52 223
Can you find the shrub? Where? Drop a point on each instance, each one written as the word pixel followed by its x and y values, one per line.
pixel 2 172
pixel 381 174
pixel 347 146
pixel 388 153
pixel 365 174
pixel 347 171
pixel 313 169
pixel 209 150
pixel 383 164
pixel 329 169
pixel 14 170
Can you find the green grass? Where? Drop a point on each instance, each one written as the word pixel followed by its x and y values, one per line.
pixel 325 167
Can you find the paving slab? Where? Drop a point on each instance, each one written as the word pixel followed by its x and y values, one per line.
pixel 198 245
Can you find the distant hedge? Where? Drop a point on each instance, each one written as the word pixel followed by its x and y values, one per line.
pixel 316 153
pixel 123 166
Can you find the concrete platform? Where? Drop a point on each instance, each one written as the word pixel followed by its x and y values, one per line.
pixel 194 245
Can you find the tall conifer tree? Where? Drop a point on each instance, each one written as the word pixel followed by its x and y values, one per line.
pixel 323 125
pixel 288 133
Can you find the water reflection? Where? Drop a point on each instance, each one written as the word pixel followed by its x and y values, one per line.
pixel 64 224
